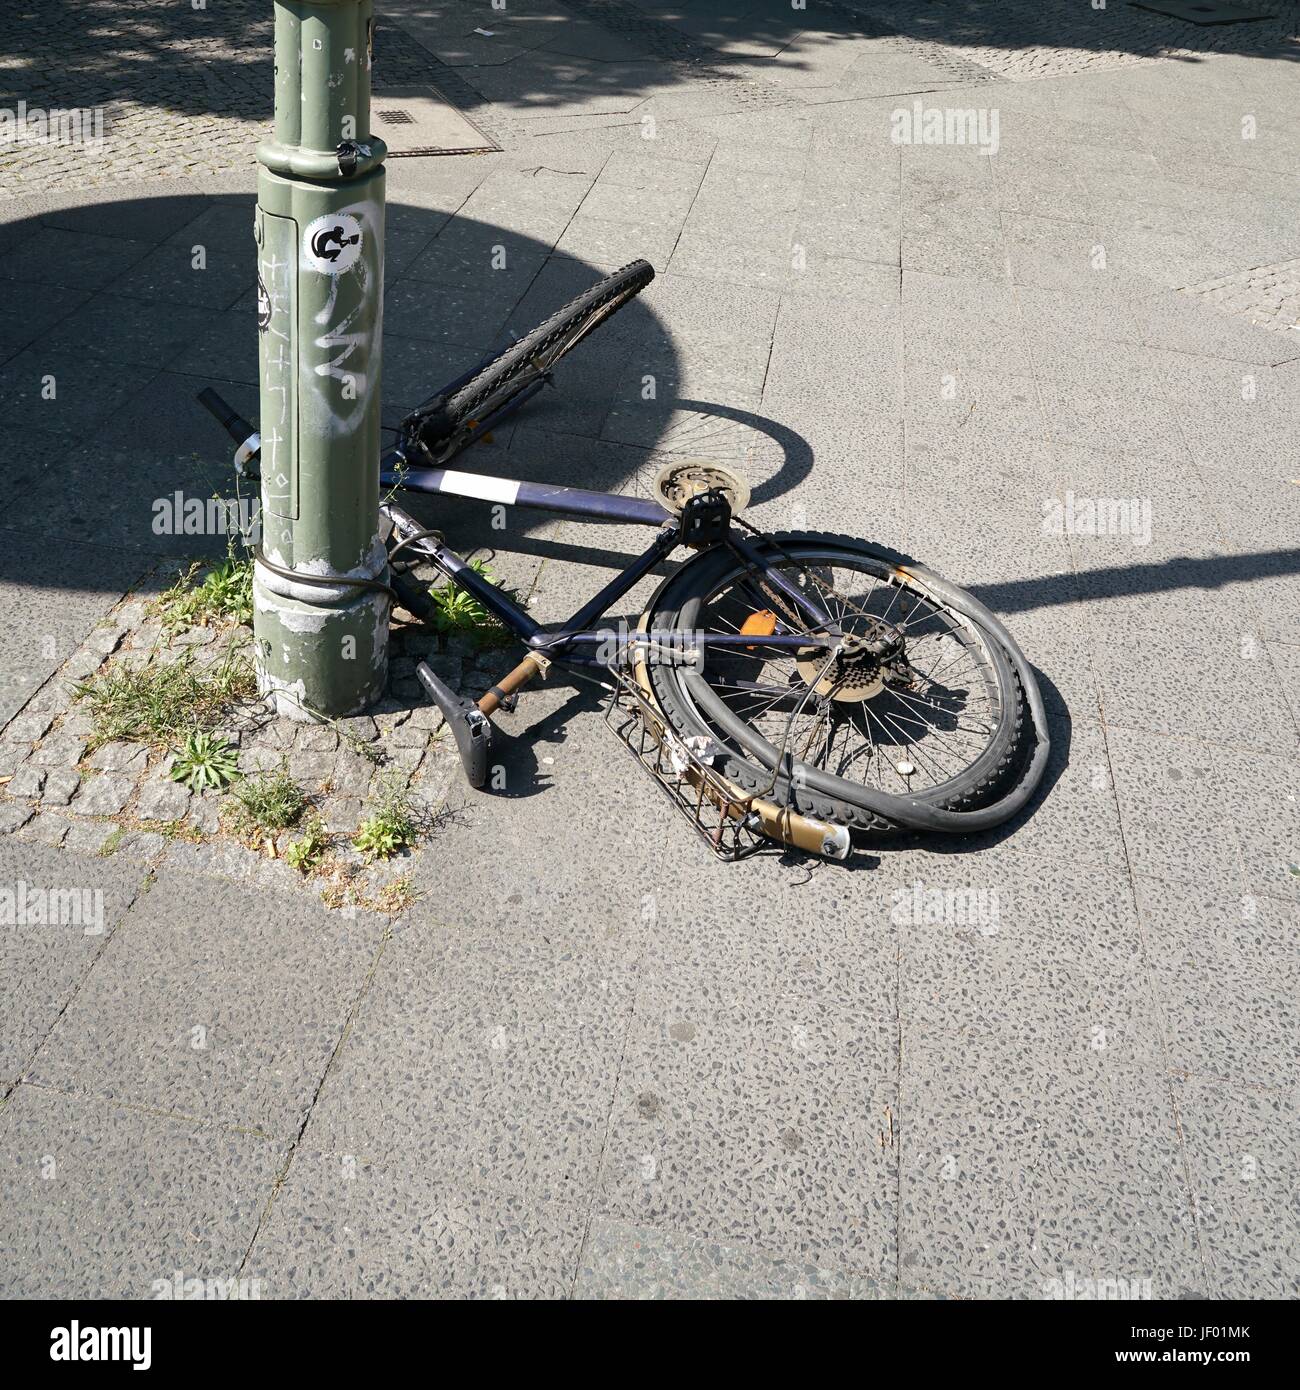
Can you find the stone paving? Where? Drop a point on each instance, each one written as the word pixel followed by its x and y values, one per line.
pixel 585 1059
pixel 1268 295
pixel 69 782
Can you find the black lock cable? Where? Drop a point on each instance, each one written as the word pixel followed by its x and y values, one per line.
pixel 322 581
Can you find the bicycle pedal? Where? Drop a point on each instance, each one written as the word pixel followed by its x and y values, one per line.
pixel 470 727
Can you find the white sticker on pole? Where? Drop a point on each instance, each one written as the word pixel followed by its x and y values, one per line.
pixel 480 485
pixel 332 244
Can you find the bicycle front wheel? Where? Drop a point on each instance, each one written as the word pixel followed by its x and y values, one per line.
pixel 447 426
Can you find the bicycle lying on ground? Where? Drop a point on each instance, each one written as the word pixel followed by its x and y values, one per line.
pixel 778 687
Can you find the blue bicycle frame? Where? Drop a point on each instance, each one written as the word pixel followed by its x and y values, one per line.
pixel 568 642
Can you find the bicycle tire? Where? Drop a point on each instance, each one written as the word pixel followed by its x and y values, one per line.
pixel 534 354
pixel 748 759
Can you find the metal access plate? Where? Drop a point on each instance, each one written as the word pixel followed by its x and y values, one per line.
pixel 421 121
pixel 1200 11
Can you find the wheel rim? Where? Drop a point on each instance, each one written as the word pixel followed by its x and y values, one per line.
pixel 850 729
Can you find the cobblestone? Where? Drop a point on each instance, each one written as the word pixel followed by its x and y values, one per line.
pixel 54 698
pixel 60 785
pixel 409 735
pixel 351 775
pixel 360 727
pixel 341 814
pixel 46 829
pixel 317 738
pixel 119 757
pixel 254 760
pixel 205 814
pixel 1268 295
pixel 88 837
pixel 427 718
pixel 138 844
pixel 83 663
pixel 407 759
pixel 165 801
pixel 27 728
pixel 104 795
pixel 104 641
pixel 11 756
pixel 311 769
pixel 28 781
pixel 13 815
pixel 60 750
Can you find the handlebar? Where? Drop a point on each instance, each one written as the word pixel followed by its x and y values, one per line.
pixel 234 424
pixel 226 415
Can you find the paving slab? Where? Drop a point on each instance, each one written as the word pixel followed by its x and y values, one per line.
pixel 341 1226
pixel 1241 1145
pixel 1024 1168
pixel 105 1201
pixel 625 1261
pixel 511 1097
pixel 231 1015
pixel 61 909
pixel 1224 974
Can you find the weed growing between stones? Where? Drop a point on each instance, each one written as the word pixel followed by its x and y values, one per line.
pixel 224 594
pixel 205 762
pixel 160 702
pixel 270 801
pixel 308 851
pixel 391 825
pixel 458 613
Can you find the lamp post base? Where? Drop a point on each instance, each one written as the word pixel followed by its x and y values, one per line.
pixel 320 652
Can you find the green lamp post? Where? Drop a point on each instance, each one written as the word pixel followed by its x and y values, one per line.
pixel 320 598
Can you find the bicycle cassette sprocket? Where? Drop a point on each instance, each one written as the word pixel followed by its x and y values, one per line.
pixel 677 482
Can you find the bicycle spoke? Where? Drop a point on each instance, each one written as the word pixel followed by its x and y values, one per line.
pixel 861 723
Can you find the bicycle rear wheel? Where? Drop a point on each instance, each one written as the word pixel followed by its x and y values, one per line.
pixel 445 425
pixel 837 736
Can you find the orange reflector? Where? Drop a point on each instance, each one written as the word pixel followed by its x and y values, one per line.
pixel 760 624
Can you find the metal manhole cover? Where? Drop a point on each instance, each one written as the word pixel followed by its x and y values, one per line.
pixel 396 117
pixel 1200 11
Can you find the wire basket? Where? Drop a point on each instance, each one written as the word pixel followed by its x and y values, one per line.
pixel 715 807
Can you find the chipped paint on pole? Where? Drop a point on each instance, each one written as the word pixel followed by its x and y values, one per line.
pixel 322 647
